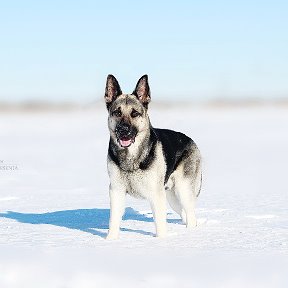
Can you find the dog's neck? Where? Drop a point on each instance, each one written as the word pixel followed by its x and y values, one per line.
pixel 139 155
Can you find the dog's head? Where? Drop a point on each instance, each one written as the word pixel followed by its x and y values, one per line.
pixel 128 118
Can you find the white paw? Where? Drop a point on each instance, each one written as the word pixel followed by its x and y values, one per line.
pixel 161 234
pixel 112 236
pixel 191 224
pixel 172 234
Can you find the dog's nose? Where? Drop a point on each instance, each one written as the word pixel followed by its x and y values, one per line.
pixel 123 128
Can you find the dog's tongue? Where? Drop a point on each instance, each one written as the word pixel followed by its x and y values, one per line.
pixel 125 143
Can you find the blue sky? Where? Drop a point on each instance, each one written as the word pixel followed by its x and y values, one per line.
pixel 192 50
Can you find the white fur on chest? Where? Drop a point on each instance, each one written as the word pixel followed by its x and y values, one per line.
pixel 140 183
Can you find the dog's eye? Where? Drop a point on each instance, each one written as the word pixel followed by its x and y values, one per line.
pixel 135 113
pixel 117 113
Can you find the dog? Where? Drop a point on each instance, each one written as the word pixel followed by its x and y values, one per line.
pixel 145 162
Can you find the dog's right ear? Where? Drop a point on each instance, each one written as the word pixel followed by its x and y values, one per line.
pixel 112 90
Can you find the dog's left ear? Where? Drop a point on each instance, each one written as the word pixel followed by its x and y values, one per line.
pixel 142 91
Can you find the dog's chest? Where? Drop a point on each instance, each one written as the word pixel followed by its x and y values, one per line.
pixel 145 183
pixel 141 184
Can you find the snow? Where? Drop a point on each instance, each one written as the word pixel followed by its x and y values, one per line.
pixel 54 206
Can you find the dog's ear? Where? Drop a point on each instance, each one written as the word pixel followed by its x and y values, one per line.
pixel 112 90
pixel 142 91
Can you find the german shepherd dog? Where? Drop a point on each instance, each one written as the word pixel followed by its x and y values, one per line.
pixel 145 162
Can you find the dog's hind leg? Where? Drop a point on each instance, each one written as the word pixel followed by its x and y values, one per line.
pixel 175 204
pixel 187 181
pixel 184 191
pixel 188 205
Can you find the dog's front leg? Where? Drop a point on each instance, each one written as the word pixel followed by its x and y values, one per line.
pixel 117 207
pixel 158 206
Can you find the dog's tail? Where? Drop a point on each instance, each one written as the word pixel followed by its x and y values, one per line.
pixel 199 185
pixel 198 176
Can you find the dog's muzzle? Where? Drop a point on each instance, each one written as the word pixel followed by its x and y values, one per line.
pixel 125 134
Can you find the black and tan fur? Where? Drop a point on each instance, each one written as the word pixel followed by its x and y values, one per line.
pixel 145 162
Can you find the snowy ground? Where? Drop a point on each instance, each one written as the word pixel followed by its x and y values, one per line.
pixel 54 205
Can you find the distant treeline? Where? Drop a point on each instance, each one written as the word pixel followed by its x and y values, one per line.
pixel 62 106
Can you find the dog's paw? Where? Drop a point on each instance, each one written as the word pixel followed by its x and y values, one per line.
pixel 112 236
pixel 161 235
pixel 171 234
pixel 191 224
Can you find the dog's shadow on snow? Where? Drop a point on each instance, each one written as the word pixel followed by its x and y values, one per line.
pixel 87 220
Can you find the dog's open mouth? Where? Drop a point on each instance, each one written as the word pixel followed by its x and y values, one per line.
pixel 126 142
pixel 125 134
